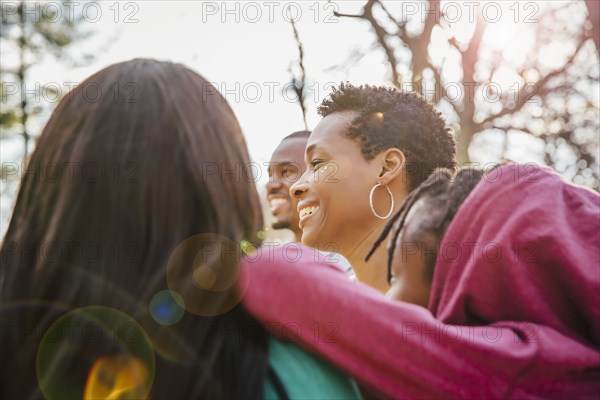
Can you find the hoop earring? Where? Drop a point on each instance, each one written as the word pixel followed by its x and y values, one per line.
pixel 371 201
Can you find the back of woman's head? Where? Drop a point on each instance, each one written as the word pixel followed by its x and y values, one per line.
pixel 141 161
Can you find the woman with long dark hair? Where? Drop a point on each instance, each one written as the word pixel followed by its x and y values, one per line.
pixel 119 266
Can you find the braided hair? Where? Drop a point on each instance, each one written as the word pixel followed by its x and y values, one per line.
pixel 448 190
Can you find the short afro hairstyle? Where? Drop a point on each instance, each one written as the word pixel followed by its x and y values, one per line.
pixel 386 118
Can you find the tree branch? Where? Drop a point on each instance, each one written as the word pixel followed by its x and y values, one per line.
pixel 525 95
pixel 299 84
pixel 381 34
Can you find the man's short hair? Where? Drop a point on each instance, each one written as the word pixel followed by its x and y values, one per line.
pixel 298 134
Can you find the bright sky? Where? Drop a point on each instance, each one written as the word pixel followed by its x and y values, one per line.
pixel 248 61
pixel 246 49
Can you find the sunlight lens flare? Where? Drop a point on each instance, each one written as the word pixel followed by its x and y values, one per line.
pixel 95 352
pixel 117 377
pixel 167 307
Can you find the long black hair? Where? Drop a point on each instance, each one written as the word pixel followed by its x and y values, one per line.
pixel 139 183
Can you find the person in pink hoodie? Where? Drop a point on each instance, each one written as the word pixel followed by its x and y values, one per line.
pixel 503 270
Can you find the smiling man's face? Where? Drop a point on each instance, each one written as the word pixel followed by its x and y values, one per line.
pixel 286 167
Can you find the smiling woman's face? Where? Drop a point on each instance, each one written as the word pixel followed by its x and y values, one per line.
pixel 334 191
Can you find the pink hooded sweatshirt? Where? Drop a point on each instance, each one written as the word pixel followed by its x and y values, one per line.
pixel 514 310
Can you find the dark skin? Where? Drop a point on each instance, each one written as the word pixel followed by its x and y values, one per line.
pixel 410 281
pixel 334 192
pixel 286 167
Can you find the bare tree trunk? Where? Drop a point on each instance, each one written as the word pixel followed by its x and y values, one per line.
pixel 468 126
pixel 419 45
pixel 593 7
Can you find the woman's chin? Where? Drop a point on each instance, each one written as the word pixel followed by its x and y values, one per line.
pixel 310 239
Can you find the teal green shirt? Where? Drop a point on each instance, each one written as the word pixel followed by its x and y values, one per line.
pixel 305 376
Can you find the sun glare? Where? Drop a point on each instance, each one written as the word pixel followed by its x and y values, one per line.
pixel 508 27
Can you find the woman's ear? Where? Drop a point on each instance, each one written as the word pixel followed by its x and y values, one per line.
pixel 392 165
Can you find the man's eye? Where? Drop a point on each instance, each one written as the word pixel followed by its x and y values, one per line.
pixel 289 171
